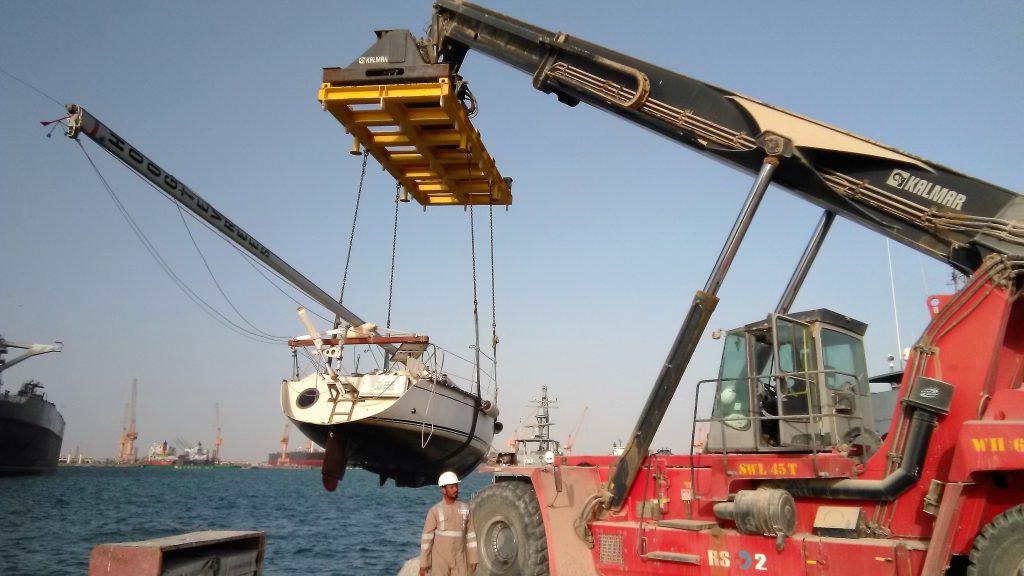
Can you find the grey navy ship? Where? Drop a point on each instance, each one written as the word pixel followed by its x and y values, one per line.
pixel 31 428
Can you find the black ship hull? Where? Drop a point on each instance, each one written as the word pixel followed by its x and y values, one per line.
pixel 31 432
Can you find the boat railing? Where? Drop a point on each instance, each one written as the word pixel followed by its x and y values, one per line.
pixel 441 358
pixel 437 361
pixel 358 340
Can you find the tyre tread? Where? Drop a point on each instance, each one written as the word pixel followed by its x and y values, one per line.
pixel 519 498
pixel 987 544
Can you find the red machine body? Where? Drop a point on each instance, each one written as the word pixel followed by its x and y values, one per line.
pixel 971 474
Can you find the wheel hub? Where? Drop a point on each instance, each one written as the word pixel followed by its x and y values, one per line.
pixel 502 543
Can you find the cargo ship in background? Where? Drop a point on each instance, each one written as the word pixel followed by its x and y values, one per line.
pixel 161 454
pixel 164 455
pixel 31 428
pixel 310 458
pixel 197 456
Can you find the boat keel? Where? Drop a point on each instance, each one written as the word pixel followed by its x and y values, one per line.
pixel 335 458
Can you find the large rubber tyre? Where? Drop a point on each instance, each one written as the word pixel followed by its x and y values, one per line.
pixel 999 549
pixel 509 531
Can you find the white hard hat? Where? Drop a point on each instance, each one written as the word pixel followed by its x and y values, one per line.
pixel 447 478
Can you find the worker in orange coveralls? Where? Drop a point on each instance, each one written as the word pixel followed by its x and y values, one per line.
pixel 448 547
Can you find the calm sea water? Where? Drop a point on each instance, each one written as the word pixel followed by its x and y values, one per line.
pixel 49 525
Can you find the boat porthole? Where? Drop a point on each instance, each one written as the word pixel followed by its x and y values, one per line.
pixel 307 398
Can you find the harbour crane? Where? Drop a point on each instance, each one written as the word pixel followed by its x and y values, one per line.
pixel 575 431
pixel 283 458
pixel 218 440
pixel 126 447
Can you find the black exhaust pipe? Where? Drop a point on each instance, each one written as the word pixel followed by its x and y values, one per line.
pixel 929 398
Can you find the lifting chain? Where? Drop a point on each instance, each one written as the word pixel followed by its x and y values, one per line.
pixel 352 234
pixel 472 229
pixel 494 308
pixel 476 315
pixel 394 244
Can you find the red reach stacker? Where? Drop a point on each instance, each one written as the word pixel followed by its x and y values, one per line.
pixel 794 476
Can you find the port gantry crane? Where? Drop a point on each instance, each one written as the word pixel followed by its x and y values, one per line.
pixel 793 478
pixel 129 434
pixel 218 440
pixel 571 441
pixel 283 458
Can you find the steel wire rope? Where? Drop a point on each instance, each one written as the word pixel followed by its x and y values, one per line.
pixel 181 214
pixel 128 218
pixel 31 87
pixel 423 421
pixel 117 201
pixel 120 206
pixel 259 267
pixel 256 264
pixel 259 333
pixel 247 256
pixel 373 354
pixel 198 300
pixel 313 359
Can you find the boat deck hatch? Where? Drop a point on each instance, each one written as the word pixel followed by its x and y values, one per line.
pixel 421 134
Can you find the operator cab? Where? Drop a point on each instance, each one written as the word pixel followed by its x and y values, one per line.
pixel 793 383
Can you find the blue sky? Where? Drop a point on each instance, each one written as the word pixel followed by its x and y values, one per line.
pixel 611 232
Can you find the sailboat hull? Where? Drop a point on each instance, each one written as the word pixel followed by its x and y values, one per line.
pixel 411 433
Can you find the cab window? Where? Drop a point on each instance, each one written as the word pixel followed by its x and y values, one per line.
pixel 843 357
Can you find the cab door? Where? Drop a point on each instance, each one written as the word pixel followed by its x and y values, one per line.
pixel 796 394
pixel 731 428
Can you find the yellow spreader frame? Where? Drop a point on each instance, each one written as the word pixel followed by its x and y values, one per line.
pixel 421 134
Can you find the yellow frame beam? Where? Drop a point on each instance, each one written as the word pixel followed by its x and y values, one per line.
pixel 420 133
